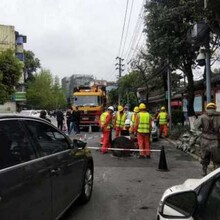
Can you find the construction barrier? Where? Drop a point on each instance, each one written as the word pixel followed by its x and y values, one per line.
pixel 122 149
pixel 162 166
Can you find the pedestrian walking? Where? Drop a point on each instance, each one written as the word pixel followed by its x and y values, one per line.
pixel 209 123
pixel 43 114
pixel 68 119
pixel 163 119
pixel 105 124
pixel 75 121
pixel 60 119
pixel 119 121
pixel 77 113
pixel 143 128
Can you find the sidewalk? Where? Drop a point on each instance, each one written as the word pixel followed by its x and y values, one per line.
pixel 196 157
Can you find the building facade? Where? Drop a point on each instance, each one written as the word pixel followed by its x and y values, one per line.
pixel 11 39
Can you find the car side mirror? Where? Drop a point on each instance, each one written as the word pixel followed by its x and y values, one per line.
pixel 179 205
pixel 79 144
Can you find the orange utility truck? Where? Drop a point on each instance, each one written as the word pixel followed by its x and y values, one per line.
pixel 91 102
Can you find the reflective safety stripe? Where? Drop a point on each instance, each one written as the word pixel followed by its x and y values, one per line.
pixel 103 119
pixel 144 122
pixel 120 120
pixel 163 118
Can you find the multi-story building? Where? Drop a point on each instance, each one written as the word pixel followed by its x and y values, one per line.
pixel 11 39
pixel 74 81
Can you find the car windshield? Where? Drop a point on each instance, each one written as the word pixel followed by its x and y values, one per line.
pixel 85 100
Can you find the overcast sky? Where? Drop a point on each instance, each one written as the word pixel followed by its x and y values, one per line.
pixel 72 36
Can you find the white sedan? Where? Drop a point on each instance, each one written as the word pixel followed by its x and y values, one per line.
pixel 32 113
pixel 195 199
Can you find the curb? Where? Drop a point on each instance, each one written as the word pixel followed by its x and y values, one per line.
pixel 192 155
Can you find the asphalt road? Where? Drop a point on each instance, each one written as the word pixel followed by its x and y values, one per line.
pixel 130 188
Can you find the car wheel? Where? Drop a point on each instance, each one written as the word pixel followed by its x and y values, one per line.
pixel 87 187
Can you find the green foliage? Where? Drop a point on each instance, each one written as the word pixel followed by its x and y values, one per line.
pixel 10 73
pixel 31 63
pixel 113 97
pixel 128 87
pixel 42 93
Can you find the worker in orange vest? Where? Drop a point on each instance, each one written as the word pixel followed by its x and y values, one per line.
pixel 163 119
pixel 133 120
pixel 105 124
pixel 120 118
pixel 143 126
pixel 132 129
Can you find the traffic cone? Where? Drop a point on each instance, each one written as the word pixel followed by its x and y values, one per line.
pixel 90 129
pixel 162 163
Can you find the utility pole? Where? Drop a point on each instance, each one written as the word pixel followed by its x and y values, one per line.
pixel 169 96
pixel 120 70
pixel 208 71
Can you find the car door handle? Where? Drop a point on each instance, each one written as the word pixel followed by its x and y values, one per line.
pixel 55 172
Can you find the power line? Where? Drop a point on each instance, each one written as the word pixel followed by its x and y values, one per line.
pixel 136 47
pixel 127 26
pixel 122 34
pixel 136 31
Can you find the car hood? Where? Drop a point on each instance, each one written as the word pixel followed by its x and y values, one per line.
pixel 190 184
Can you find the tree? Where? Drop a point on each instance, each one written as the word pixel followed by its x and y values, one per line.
pixel 113 97
pixel 59 99
pixel 167 24
pixel 10 73
pixel 128 87
pixel 43 93
pixel 31 64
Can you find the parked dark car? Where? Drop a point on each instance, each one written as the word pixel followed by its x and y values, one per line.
pixel 42 172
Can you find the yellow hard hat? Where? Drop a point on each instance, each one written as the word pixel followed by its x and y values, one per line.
pixel 162 108
pixel 136 109
pixel 211 105
pixel 120 108
pixel 142 106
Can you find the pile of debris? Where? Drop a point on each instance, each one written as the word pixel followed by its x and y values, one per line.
pixel 190 142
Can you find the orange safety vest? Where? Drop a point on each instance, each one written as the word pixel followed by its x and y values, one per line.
pixel 103 120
